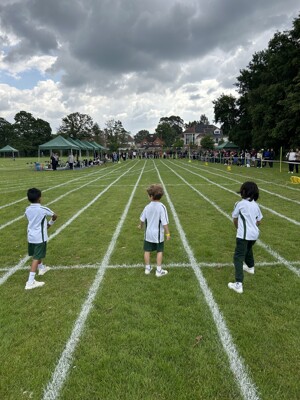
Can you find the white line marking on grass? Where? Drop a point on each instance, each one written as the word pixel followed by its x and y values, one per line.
pixel 236 362
pixel 276 255
pixel 61 228
pixel 140 265
pixel 58 198
pixel 11 271
pixel 240 182
pixel 45 190
pixel 293 221
pixel 59 376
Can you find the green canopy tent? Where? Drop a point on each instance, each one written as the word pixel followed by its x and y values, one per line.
pixel 58 143
pixel 9 149
pixel 227 146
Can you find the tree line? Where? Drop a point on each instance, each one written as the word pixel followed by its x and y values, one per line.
pixel 264 113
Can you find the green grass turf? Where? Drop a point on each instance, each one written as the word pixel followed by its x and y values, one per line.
pixel 149 338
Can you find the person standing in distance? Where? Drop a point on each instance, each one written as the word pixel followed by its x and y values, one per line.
pixel 155 218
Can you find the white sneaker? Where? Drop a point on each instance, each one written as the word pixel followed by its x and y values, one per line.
pixel 247 269
pixel 33 285
pixel 236 286
pixel 148 270
pixel 42 271
pixel 160 273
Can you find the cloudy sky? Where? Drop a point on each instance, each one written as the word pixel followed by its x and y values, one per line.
pixel 133 60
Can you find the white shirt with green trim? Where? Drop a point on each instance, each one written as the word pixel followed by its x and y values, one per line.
pixel 248 213
pixel 155 216
pixel 37 222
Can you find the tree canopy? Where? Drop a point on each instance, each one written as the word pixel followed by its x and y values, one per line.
pixel 267 111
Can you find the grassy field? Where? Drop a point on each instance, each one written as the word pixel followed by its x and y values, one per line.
pixel 101 329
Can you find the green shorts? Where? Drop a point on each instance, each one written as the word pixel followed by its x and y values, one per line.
pixel 149 246
pixel 37 250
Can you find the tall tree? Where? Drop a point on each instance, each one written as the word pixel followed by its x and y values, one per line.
pixel 175 122
pixel 141 135
pixel 7 134
pixel 77 126
pixel 30 132
pixel 98 134
pixel 204 119
pixel 207 142
pixel 115 134
pixel 226 112
pixel 166 133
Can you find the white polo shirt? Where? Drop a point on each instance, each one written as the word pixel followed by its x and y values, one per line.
pixel 37 222
pixel 155 216
pixel 248 213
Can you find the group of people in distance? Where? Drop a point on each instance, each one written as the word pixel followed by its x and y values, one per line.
pixel 293 158
pixel 246 218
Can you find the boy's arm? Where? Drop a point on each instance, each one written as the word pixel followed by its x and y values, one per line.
pixel 52 220
pixel 167 232
pixel 141 224
pixel 235 222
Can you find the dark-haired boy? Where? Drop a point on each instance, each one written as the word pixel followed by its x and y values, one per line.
pixel 155 218
pixel 37 235
pixel 246 218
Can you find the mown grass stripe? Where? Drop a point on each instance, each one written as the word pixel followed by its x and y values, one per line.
pixel 238 368
pixel 59 376
pixel 57 199
pixel 61 228
pixel 293 221
pixel 274 254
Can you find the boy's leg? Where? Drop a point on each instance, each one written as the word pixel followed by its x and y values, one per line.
pixel 239 258
pixel 249 258
pixel 147 257
pixel 32 283
pixel 159 258
pixel 148 268
pixel 159 271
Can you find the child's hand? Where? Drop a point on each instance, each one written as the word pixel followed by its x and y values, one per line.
pixel 168 236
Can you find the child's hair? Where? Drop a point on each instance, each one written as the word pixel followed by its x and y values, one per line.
pixel 155 191
pixel 249 190
pixel 33 195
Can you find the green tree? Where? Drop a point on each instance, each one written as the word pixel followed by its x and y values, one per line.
pixel 7 134
pixel 166 133
pixel 30 132
pixel 175 122
pixel 207 142
pixel 77 126
pixel 226 113
pixel 204 119
pixel 115 135
pixel 98 134
pixel 141 135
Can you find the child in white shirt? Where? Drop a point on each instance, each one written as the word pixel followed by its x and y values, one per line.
pixel 246 218
pixel 155 218
pixel 37 235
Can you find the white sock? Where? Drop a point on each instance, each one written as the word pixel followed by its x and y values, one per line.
pixel 31 277
pixel 148 266
pixel 159 268
pixel 41 266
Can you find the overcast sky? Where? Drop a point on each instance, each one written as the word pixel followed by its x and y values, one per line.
pixel 133 60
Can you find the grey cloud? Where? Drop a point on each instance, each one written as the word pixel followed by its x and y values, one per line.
pixel 98 42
